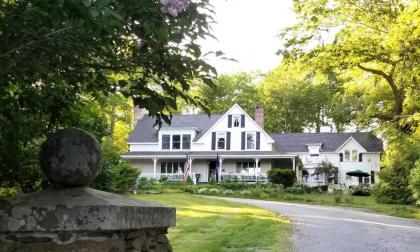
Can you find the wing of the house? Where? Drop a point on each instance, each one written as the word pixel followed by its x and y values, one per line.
pixel 245 150
pixel 354 151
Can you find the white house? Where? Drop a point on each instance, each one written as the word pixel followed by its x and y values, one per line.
pixel 246 151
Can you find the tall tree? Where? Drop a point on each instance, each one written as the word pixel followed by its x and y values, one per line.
pixel 378 38
pixel 54 55
pixel 228 89
pixel 375 46
pixel 297 98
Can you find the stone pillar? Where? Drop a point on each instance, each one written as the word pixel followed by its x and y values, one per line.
pixel 75 217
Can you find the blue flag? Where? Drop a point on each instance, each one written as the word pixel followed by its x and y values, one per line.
pixel 218 172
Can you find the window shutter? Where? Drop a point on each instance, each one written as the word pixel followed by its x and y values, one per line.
pixel 242 121
pixel 229 121
pixel 341 157
pixel 243 141
pixel 372 177
pixel 213 140
pixel 258 141
pixel 228 140
pixel 360 157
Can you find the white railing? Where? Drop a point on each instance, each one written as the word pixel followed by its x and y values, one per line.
pixel 240 177
pixel 170 176
pixel 245 177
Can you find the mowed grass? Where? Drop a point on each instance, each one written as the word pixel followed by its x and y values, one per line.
pixel 364 202
pixel 205 224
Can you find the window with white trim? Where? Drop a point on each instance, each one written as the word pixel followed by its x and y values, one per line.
pixel 172 167
pixel 244 167
pixel 346 155
pixel 221 140
pixel 250 140
pixel 166 142
pixel 176 142
pixel 354 155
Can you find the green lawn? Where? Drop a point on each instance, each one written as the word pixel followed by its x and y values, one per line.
pixel 365 202
pixel 205 224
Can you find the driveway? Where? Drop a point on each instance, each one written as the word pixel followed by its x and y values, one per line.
pixel 325 228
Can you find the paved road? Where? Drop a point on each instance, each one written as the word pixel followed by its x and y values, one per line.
pixel 324 228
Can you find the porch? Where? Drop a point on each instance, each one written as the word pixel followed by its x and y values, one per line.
pixel 235 167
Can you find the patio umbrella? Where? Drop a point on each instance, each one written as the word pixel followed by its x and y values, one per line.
pixel 358 173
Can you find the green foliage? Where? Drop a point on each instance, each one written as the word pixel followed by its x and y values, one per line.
pixel 62 62
pixel 286 177
pixel 328 169
pixel 116 174
pixel 401 157
pixel 229 89
pixel 374 53
pixel 212 181
pixel 360 190
pixel 294 190
pixel 415 180
pixel 296 97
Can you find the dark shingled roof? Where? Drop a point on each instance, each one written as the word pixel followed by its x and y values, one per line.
pixel 145 132
pixel 285 142
pixel 297 142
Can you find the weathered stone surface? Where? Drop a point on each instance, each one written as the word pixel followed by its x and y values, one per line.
pixel 80 218
pixel 71 157
pixel 153 239
pixel 81 209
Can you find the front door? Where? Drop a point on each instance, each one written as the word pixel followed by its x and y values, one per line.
pixel 212 170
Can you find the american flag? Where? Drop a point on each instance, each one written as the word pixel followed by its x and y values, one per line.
pixel 186 168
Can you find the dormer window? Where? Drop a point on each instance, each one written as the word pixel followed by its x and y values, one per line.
pixel 314 149
pixel 250 140
pixel 221 140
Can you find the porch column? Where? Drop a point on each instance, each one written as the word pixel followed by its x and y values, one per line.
pixel 154 167
pixel 257 160
pixel 294 163
pixel 220 169
pixel 191 173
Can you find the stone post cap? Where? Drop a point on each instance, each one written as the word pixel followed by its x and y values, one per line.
pixel 81 209
pixel 71 157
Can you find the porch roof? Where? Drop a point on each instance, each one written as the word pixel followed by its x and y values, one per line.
pixel 205 154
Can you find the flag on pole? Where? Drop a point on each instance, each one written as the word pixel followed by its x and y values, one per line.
pixel 187 168
pixel 218 169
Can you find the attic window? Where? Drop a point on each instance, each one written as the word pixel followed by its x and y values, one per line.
pixel 236 119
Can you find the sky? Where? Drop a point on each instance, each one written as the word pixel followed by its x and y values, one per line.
pixel 247 30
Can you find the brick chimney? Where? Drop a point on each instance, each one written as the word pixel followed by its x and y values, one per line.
pixel 139 113
pixel 259 116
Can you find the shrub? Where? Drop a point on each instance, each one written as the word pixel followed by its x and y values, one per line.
pixel 286 177
pixel 245 192
pixel 360 190
pixel 202 190
pixel 294 190
pixel 189 180
pixel 228 192
pixel 212 181
pixel 214 190
pixel 236 186
pixel 337 199
pixel 116 174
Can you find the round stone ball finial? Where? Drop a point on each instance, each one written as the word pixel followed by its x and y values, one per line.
pixel 71 157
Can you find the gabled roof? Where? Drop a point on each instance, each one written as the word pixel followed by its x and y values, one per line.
pixel 297 142
pixel 236 106
pixel 145 132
